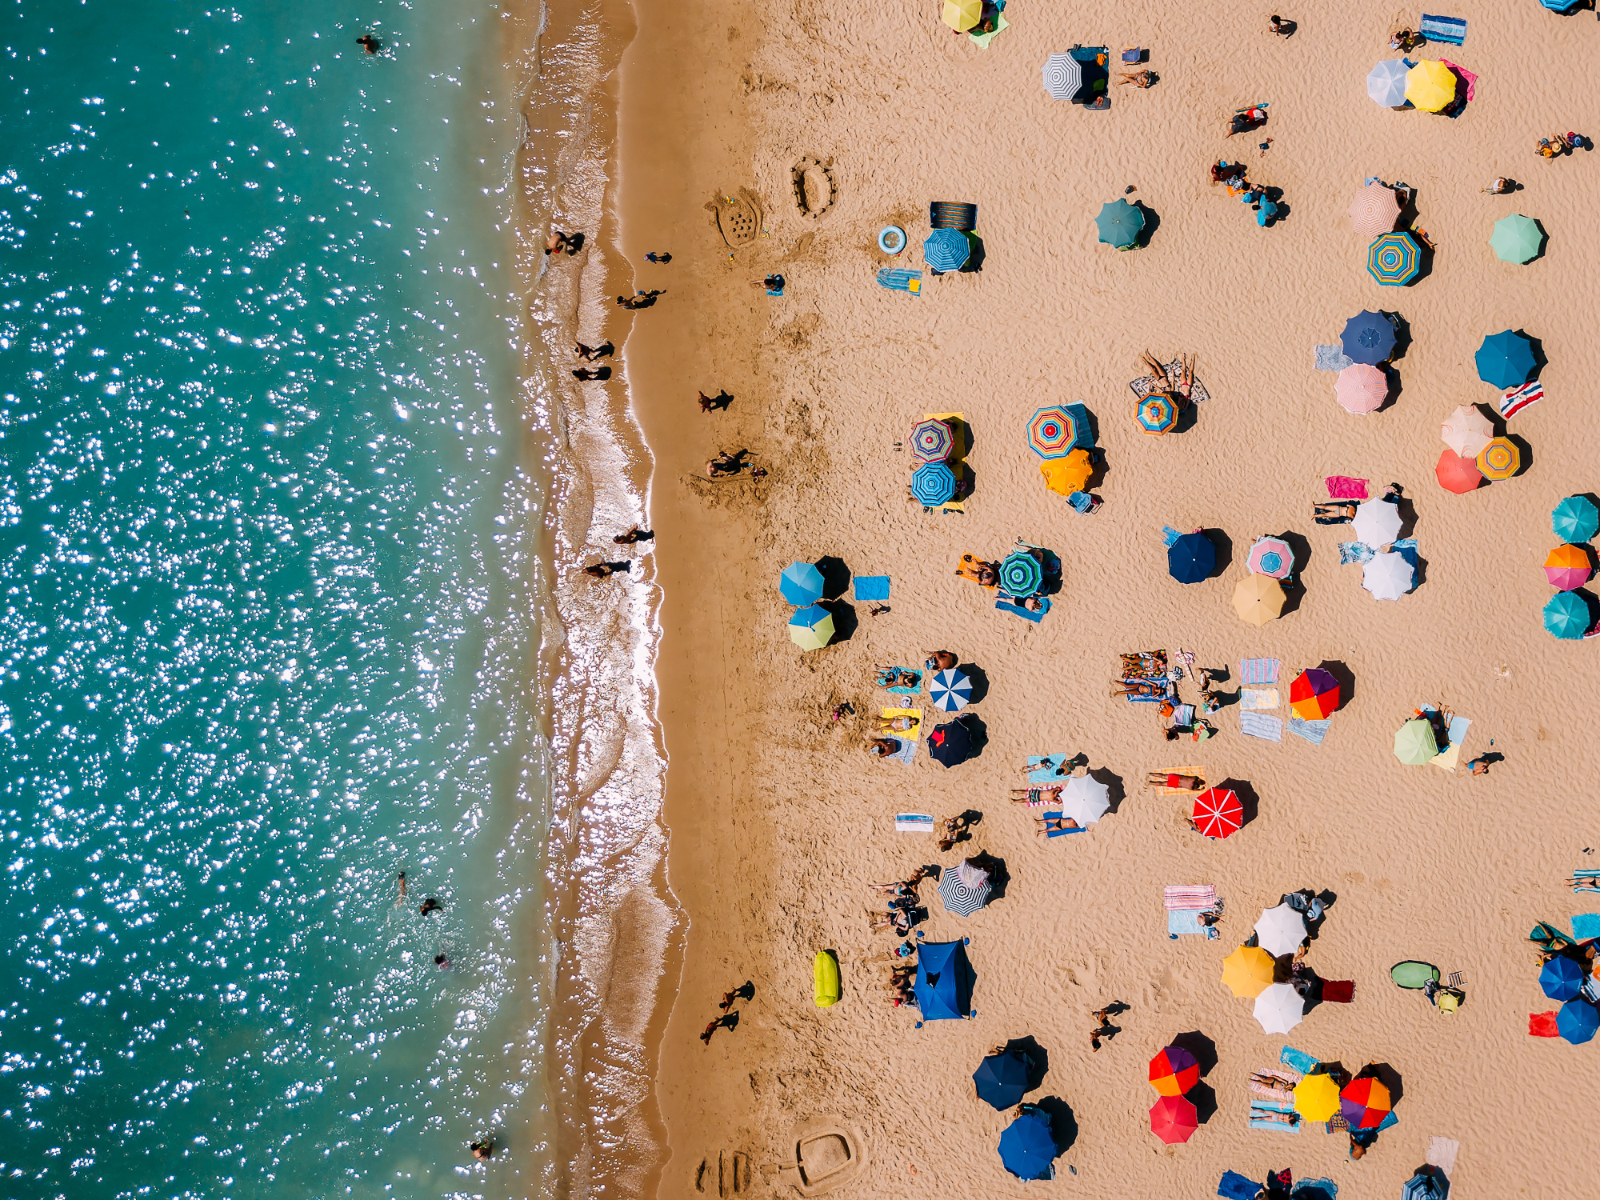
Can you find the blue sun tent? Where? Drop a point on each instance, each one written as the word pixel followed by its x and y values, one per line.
pixel 944 981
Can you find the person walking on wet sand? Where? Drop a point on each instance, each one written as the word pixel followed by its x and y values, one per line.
pixel 570 242
pixel 717 403
pixel 590 353
pixel 745 991
pixel 588 373
pixel 657 257
pixel 726 1021
pixel 604 570
pixel 640 299
pixel 633 535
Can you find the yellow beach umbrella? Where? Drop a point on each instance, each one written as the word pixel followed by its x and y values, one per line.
pixel 1500 459
pixel 1430 85
pixel 1258 599
pixel 962 15
pixel 1248 971
pixel 1316 1097
pixel 1069 474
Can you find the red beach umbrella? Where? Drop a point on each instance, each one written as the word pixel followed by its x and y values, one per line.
pixel 1218 813
pixel 1173 1119
pixel 1364 1103
pixel 1314 695
pixel 1174 1071
pixel 1457 474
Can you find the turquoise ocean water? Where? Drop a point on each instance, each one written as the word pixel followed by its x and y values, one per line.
pixel 271 525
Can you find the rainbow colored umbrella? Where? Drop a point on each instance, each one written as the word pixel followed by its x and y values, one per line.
pixel 1271 556
pixel 1054 432
pixel 1500 459
pixel 1394 259
pixel 1174 1071
pixel 933 484
pixel 1365 1102
pixel 1314 695
pixel 1173 1119
pixel 1430 85
pixel 931 441
pixel 1457 474
pixel 1567 615
pixel 1575 519
pixel 1567 567
pixel 1157 413
pixel 1218 813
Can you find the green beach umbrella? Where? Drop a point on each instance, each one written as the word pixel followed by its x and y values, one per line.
pixel 811 628
pixel 1516 238
pixel 1415 743
pixel 1119 223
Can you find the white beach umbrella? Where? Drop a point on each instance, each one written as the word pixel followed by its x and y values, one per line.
pixel 1063 76
pixel 1388 576
pixel 1085 799
pixel 1386 83
pixel 1280 930
pixel 1377 523
pixel 1466 431
pixel 1280 1008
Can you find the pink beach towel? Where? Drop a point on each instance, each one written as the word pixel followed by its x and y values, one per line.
pixel 1344 487
pixel 1542 1024
pixel 1471 79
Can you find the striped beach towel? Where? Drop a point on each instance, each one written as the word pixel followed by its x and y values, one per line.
pixel 1312 731
pixel 1517 399
pixel 1452 30
pixel 897 279
pixel 1258 670
pixel 1259 725
pixel 1201 897
pixel 913 822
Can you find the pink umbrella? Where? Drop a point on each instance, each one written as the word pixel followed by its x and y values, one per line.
pixel 1271 556
pixel 1361 389
pixel 1374 210
pixel 1567 567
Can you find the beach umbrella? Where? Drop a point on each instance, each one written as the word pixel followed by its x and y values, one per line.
pixel 1280 1008
pixel 1361 388
pixel 1415 742
pixel 964 890
pixel 1174 1071
pixel 1500 459
pixel 1069 474
pixel 1368 337
pixel 1365 1102
pixel 1394 259
pixel 1388 576
pixel 1424 1185
pixel 1158 413
pixel 1027 1147
pixel 1430 85
pixel 1505 359
pixel 1567 567
pixel 1467 430
pixel 1002 1079
pixel 1567 616
pixel 1374 210
pixel 1021 575
pixel 1119 224
pixel 946 250
pixel 1560 6
pixel 1191 558
pixel 1218 813
pixel 1577 1021
pixel 1516 238
pixel 811 628
pixel 801 584
pixel 1386 83
pixel 931 441
pixel 1316 1097
pixel 962 15
pixel 1280 930
pixel 1085 799
pixel 1377 522
pixel 943 982
pixel 1258 599
pixel 1063 76
pixel 1173 1119
pixel 1457 474
pixel 1575 519
pixel 933 484
pixel 1314 695
pixel 1248 971
pixel 1055 431
pixel 952 743
pixel 949 690
pixel 1562 978
pixel 1271 556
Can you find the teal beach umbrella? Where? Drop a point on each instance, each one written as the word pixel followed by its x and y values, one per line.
pixel 1575 519
pixel 1567 615
pixel 1505 359
pixel 1120 224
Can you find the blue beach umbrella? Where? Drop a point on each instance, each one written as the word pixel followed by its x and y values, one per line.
pixel 1575 519
pixel 1567 615
pixel 943 982
pixel 811 628
pixel 1002 1079
pixel 1119 224
pixel 1192 558
pixel 933 484
pixel 1021 575
pixel 1505 359
pixel 1577 1021
pixel 801 584
pixel 1394 259
pixel 1424 1185
pixel 1368 337
pixel 1386 83
pixel 1561 979
pixel 1028 1148
pixel 950 690
pixel 1560 6
pixel 946 250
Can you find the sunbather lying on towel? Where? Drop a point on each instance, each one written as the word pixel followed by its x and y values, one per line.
pixel 893 724
pixel 1137 687
pixel 1033 797
pixel 897 677
pixel 1066 768
pixel 1165 779
pixel 883 747
pixel 1047 825
pixel 1340 513
pixel 985 574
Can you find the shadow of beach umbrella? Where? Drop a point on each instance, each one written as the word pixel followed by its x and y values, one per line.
pixel 949 690
pixel 1021 575
pixel 1085 799
pixel 931 441
pixel 1001 1080
pixel 1173 1119
pixel 811 628
pixel 1191 558
pixel 1258 599
pixel 1280 930
pixel 1516 238
pixel 1055 431
pixel 1063 76
pixel 1248 972
pixel 1377 522
pixel 1158 413
pixel 1386 83
pixel 1069 474
pixel 1505 359
pixel 1577 1021
pixel 1467 430
pixel 1279 1008
pixel 962 15
pixel 1394 259
pixel 1567 567
pixel 1218 813
pixel 933 484
pixel 1567 616
pixel 1368 337
pixel 1174 1071
pixel 1119 224
pixel 1028 1148
pixel 1456 473
pixel 1388 576
pixel 946 250
pixel 1415 742
pixel 1500 459
pixel 1561 978
pixel 1430 85
pixel 1314 695
pixel 1365 1102
pixel 953 743
pixel 1374 210
pixel 1361 388
pixel 801 584
pixel 1575 519
pixel 1271 556
pixel 1316 1097
pixel 964 890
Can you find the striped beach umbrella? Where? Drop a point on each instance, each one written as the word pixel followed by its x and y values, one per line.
pixel 1375 209
pixel 1505 359
pixel 1467 430
pixel 1577 1021
pixel 1386 83
pixel 1394 259
pixel 946 250
pixel 1314 695
pixel 1258 599
pixel 1368 337
pixel 1063 76
pixel 1173 1119
pixel 1567 615
pixel 931 441
pixel 1500 459
pixel 1157 413
pixel 1248 972
pixel 1174 1071
pixel 1218 813
pixel 964 889
pixel 801 584
pixel 811 628
pixel 1575 519
pixel 1361 388
pixel 1365 1102
pixel 1516 238
pixel 933 484
pixel 1457 473
pixel 1021 575
pixel 950 690
pixel 1567 567
pixel 1054 431
pixel 1430 85
pixel 1271 556
pixel 1119 223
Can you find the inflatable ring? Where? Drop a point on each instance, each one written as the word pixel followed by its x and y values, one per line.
pixel 891 239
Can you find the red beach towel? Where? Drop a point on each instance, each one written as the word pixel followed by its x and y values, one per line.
pixel 1338 991
pixel 1344 487
pixel 1542 1024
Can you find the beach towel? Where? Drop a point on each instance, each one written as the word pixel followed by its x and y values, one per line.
pixel 1442 1153
pixel 1452 30
pixel 1312 731
pixel 913 822
pixel 1472 80
pixel 1169 535
pixel 1299 1060
pixel 1258 670
pixel 914 713
pixel 1346 487
pixel 1258 699
pixel 871 587
pixel 1263 1113
pixel 1256 725
pixel 907 751
pixel 1518 398
pixel 1542 1024
pixel 898 279
pixel 983 39
pixel 1196 897
pixel 1586 926
pixel 1235 1186
pixel 1052 833
pixel 1183 715
pixel 1029 614
pixel 904 689
pixel 1355 552
pixel 1338 991
pixel 1331 358
pixel 1146 384
pixel 1044 768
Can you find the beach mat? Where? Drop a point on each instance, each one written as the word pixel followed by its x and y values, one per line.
pixel 907 751
pixel 1258 699
pixel 1259 725
pixel 1146 384
pixel 1235 1186
pixel 1312 731
pixel 1055 833
pixel 1543 1024
pixel 898 279
pixel 1346 487
pixel 1192 897
pixel 1045 764
pixel 1186 923
pixel 1450 30
pixel 1586 926
pixel 871 587
pixel 1298 1060
pixel 1331 358
pixel 913 822
pixel 1026 614
pixel 1518 398
pixel 904 690
pixel 1442 1153
pixel 1255 671
pixel 1172 791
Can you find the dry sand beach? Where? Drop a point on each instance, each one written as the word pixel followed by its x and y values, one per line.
pixel 778 820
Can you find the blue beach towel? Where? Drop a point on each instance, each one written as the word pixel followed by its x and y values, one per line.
pixel 1331 358
pixel 1169 535
pixel 1299 1060
pixel 1235 1186
pixel 913 822
pixel 898 279
pixel 1355 552
pixel 1186 923
pixel 1045 765
pixel 1312 731
pixel 871 587
pixel 1060 832
pixel 1026 613
pixel 1452 30
pixel 1262 1104
pixel 901 689
pixel 1259 725
pixel 1586 926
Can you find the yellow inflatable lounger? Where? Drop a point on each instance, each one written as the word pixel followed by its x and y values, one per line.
pixel 826 970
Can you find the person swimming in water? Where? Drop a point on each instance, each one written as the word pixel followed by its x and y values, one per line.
pixel 430 905
pixel 369 43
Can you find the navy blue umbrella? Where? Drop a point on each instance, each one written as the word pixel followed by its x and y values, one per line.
pixel 1191 558
pixel 1577 1021
pixel 943 983
pixel 1561 979
pixel 1368 337
pixel 952 743
pixel 1002 1079
pixel 1028 1148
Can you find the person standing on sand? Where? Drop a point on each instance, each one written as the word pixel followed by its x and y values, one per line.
pixel 604 570
pixel 745 991
pixel 655 257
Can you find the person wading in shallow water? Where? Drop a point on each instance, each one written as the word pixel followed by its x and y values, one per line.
pixel 369 43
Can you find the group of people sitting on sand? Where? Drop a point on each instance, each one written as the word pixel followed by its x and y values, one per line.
pixel 1558 144
pixel 904 909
